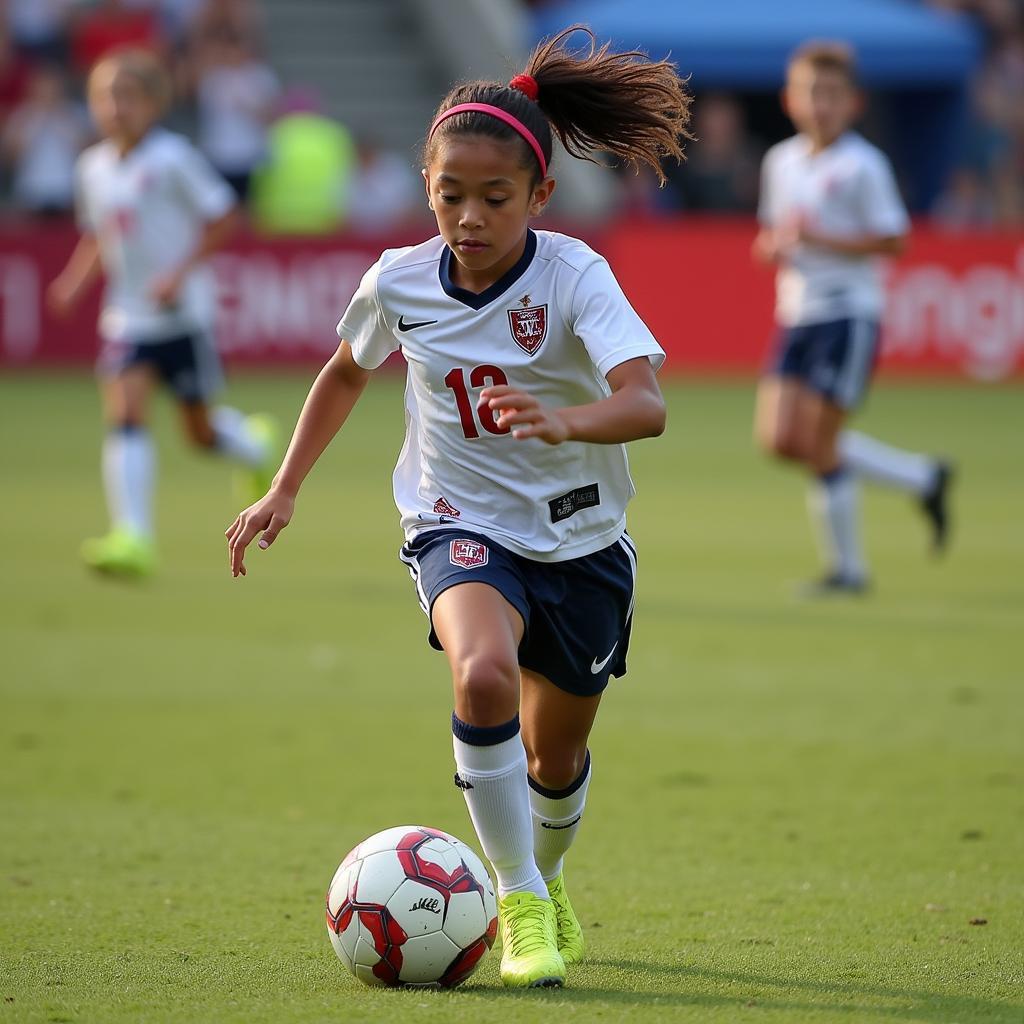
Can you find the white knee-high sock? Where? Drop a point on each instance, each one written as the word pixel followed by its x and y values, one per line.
pixel 236 438
pixel 491 773
pixel 894 467
pixel 129 462
pixel 835 509
pixel 556 820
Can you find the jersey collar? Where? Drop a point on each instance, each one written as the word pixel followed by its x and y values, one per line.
pixel 509 278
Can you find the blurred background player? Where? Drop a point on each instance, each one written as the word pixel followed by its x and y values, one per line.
pixel 151 211
pixel 237 94
pixel 41 142
pixel 829 208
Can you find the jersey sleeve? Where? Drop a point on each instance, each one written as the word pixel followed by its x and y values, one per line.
pixel 880 201
pixel 202 188
pixel 363 325
pixel 608 326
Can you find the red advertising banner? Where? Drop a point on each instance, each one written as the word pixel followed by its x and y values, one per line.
pixel 955 302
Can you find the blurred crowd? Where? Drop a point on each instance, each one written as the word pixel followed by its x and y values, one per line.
pixel 987 185
pixel 294 167
pixel 985 188
pixel 297 170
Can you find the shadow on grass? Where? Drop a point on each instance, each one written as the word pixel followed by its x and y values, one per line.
pixel 884 1002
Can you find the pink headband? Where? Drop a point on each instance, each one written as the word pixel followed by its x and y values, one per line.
pixel 501 115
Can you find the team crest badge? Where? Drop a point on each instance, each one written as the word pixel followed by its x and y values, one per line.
pixel 529 327
pixel 469 554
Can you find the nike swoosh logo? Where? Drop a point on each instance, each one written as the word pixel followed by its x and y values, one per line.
pixel 403 326
pixel 555 828
pixel 599 665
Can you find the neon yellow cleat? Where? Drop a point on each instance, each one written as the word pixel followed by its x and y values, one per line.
pixel 253 483
pixel 529 956
pixel 121 553
pixel 570 934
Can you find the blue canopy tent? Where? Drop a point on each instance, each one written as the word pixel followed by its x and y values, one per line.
pixel 921 56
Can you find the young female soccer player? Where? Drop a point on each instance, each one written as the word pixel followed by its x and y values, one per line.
pixel 151 211
pixel 527 372
pixel 829 208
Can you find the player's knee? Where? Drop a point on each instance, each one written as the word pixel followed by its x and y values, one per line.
pixel 788 445
pixel 486 687
pixel 557 768
pixel 823 456
pixel 201 436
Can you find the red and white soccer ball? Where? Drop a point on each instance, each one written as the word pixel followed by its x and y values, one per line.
pixel 411 906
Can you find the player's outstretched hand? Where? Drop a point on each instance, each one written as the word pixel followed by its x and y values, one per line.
pixel 271 514
pixel 524 415
pixel 165 288
pixel 61 298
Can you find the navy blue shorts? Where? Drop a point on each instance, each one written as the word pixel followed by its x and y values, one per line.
pixel 187 363
pixel 577 613
pixel 836 358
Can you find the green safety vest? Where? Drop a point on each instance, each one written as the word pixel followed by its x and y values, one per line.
pixel 304 186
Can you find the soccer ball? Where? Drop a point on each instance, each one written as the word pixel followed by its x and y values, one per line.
pixel 411 906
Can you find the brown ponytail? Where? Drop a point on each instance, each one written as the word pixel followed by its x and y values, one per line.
pixel 597 101
pixel 619 103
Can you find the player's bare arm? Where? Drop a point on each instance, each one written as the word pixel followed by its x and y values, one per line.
pixel 215 235
pixel 74 281
pixel 331 398
pixel 765 247
pixel 635 409
pixel 865 245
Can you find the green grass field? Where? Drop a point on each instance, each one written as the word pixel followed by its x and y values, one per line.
pixel 800 812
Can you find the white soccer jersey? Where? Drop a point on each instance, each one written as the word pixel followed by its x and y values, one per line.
pixel 147 210
pixel 553 326
pixel 845 191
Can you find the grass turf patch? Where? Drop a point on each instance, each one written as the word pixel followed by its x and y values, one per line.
pixel 797 810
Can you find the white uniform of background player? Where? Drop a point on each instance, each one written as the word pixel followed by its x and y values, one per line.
pixel 829 210
pixel 150 209
pixel 146 211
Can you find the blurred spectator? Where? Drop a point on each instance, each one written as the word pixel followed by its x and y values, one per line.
pixel 39 27
pixel 177 18
pixel 109 24
pixel 1001 95
pixel 967 202
pixel 303 188
pixel 988 186
pixel 721 170
pixel 40 143
pixel 385 192
pixel 998 16
pixel 215 20
pixel 236 94
pixel 14 75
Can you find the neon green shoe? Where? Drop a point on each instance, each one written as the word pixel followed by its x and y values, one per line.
pixel 529 955
pixel 570 934
pixel 121 553
pixel 253 483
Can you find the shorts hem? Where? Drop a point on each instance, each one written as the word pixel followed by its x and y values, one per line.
pixel 563 685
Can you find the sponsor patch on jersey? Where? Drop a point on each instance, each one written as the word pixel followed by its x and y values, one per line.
pixel 469 554
pixel 567 505
pixel 442 508
pixel 529 327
